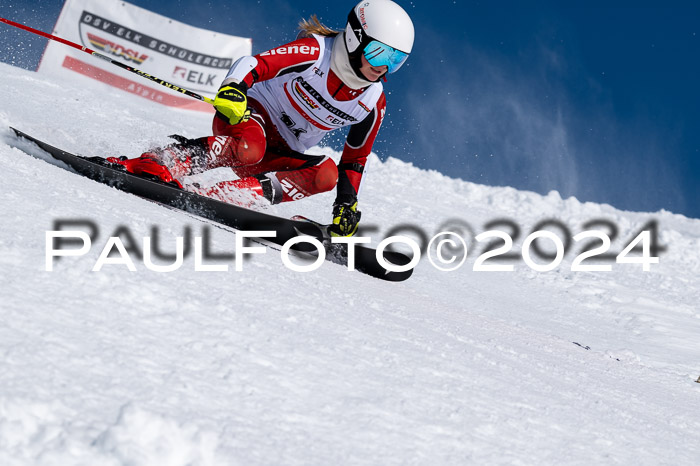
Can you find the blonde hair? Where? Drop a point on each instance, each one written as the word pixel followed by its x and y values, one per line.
pixel 310 26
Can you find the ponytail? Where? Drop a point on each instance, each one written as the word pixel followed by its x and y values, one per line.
pixel 308 27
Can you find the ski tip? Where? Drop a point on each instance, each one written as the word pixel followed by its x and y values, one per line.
pixel 21 134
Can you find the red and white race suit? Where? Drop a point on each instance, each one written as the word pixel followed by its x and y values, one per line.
pixel 301 103
pixel 296 100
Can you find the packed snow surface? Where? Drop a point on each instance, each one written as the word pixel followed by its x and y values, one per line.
pixel 270 366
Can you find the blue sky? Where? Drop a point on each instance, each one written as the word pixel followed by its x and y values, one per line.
pixel 598 100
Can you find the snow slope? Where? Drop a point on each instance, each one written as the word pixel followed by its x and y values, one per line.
pixel 268 366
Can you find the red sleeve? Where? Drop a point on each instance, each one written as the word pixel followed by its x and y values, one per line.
pixel 358 146
pixel 294 56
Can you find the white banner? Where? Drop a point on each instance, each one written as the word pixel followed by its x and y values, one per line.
pixel 189 57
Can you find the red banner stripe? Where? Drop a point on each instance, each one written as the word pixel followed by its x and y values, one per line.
pixel 134 87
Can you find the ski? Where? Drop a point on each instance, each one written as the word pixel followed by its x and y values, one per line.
pixel 239 218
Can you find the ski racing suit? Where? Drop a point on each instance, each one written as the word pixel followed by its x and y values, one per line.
pixel 296 99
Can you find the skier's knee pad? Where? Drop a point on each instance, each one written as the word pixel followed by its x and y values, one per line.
pixel 246 143
pixel 250 148
pixel 326 176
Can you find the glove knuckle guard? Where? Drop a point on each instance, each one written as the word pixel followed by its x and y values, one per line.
pixel 233 95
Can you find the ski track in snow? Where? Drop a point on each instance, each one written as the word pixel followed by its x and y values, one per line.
pixel 268 366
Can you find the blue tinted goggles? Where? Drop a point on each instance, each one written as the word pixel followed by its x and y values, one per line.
pixel 379 54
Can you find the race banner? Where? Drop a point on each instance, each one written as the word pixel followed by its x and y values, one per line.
pixel 189 57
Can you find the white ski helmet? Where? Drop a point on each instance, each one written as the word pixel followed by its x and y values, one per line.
pixel 381 31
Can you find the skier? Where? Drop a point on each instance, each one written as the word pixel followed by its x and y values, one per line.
pixel 272 107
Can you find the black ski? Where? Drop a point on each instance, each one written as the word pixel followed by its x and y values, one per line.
pixel 237 217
